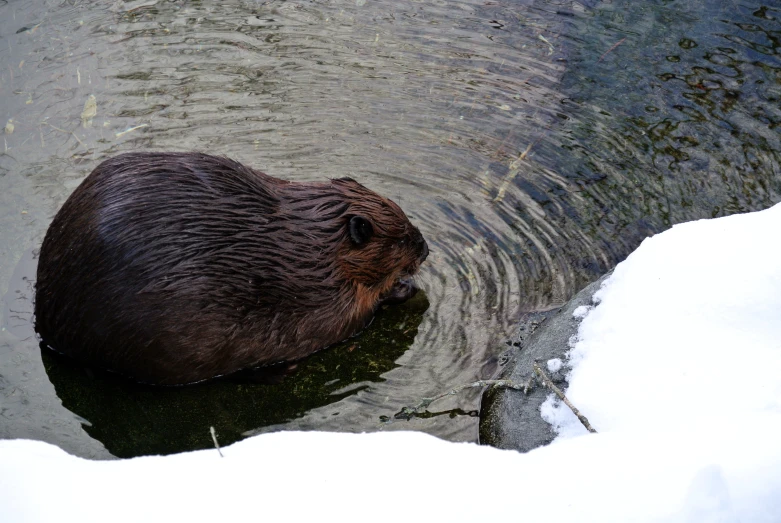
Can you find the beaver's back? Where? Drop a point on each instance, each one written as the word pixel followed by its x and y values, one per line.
pixel 159 262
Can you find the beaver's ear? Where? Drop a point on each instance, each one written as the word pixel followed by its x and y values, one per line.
pixel 361 230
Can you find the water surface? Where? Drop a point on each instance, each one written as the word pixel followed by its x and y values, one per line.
pixel 534 143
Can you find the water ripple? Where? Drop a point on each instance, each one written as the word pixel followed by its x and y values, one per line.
pixel 535 143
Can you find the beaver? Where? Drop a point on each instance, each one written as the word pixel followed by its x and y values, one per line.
pixel 173 268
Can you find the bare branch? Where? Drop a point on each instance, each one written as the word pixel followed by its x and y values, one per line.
pixel 407 412
pixel 214 438
pixel 552 386
pixel 613 47
pixel 66 132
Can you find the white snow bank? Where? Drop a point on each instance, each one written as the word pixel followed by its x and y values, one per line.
pixel 678 367
pixel 687 332
pixel 298 476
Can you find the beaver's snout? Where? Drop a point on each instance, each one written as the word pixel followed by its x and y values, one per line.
pixel 402 290
pixel 405 287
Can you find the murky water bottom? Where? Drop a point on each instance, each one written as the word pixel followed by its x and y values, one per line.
pixel 534 143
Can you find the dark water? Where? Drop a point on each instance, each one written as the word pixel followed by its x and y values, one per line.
pixel 535 144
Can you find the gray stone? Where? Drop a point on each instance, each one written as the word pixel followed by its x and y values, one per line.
pixel 510 419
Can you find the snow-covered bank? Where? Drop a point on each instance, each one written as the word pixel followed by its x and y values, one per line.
pixel 678 368
pixel 687 332
pixel 644 476
pixel 298 476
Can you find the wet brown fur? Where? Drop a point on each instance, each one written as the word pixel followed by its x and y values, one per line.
pixel 177 267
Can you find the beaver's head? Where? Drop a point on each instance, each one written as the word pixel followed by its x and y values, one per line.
pixel 381 250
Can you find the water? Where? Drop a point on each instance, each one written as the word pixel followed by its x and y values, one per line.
pixel 534 143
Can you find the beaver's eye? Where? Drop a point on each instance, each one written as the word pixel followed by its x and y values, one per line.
pixel 361 230
pixel 403 242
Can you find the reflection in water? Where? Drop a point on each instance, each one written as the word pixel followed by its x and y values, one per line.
pixel 534 142
pixel 132 419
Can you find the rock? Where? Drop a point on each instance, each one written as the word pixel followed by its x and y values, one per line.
pixel 510 419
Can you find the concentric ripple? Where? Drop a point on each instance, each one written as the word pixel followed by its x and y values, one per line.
pixel 535 143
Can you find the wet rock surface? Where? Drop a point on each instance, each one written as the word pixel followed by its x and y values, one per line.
pixel 510 419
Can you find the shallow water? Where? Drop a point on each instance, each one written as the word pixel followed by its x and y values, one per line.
pixel 534 143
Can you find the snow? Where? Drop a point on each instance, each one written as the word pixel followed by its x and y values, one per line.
pixel 677 365
pixel 555 364
pixel 687 331
pixel 581 312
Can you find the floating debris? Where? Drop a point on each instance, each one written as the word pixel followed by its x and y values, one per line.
pixel 90 110
pixel 122 133
pixel 9 127
pixel 611 48
pixel 66 132
pixel 30 29
pixel 513 171
pixel 547 42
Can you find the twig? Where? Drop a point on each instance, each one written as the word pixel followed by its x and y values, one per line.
pixel 613 47
pixel 515 166
pixel 425 402
pixel 123 133
pixel 66 132
pixel 214 438
pixel 548 383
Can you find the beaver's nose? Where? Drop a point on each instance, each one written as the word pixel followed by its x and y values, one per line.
pixel 424 255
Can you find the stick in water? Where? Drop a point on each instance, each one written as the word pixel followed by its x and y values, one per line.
pixel 614 46
pixel 498 384
pixel 214 438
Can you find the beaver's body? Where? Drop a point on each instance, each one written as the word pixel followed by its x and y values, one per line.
pixel 177 267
